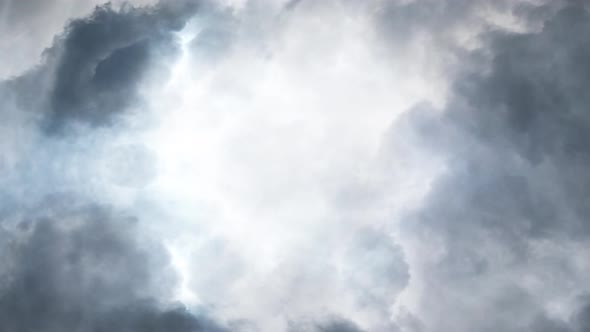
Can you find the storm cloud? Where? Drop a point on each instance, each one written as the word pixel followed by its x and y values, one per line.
pixel 95 68
pixel 300 166
pixel 82 267
pixel 512 196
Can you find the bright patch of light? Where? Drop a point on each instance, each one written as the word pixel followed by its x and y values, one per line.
pixel 184 292
pixel 255 150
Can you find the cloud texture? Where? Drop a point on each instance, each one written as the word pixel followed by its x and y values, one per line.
pixel 299 166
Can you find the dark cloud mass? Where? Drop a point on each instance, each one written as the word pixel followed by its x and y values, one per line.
pixel 82 267
pixel 94 69
pixel 515 137
pixel 331 325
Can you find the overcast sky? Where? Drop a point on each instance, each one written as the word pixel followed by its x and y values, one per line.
pixel 296 166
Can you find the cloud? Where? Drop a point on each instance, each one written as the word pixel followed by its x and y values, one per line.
pixel 94 70
pixel 84 267
pixel 91 78
pixel 330 325
pixel 333 166
pixel 512 138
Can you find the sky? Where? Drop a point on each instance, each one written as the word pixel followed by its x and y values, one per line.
pixel 294 165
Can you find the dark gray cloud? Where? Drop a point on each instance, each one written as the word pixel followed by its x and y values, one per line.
pixel 81 267
pixel 503 128
pixel 514 135
pixel 431 21
pixel 338 326
pixel 329 325
pixel 93 71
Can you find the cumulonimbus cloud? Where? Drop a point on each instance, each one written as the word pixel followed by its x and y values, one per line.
pixel 298 166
